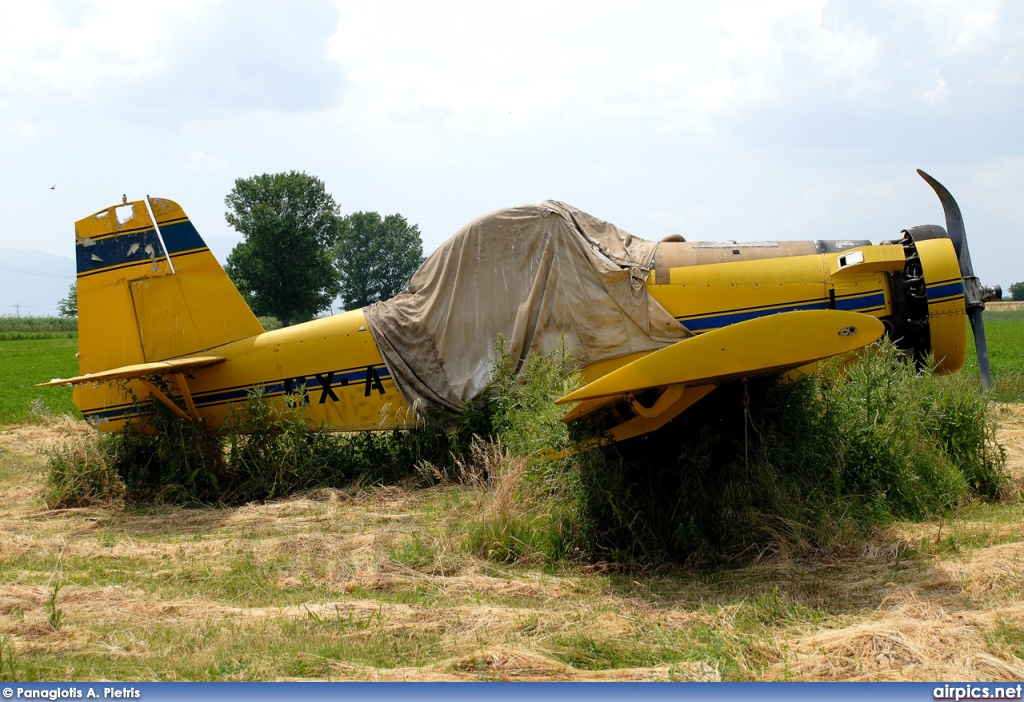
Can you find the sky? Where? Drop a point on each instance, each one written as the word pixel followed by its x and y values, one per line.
pixel 725 120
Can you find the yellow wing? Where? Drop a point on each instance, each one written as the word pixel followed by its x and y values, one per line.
pixel 140 370
pixel 143 372
pixel 674 378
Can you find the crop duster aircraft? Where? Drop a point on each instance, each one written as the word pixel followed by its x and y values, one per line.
pixel 159 317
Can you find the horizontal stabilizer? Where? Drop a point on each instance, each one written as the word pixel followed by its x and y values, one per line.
pixel 140 370
pixel 758 347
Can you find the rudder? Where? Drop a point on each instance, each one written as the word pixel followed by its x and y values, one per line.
pixel 148 293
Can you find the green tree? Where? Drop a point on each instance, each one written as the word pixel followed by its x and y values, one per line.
pixel 290 225
pixel 68 307
pixel 376 257
pixel 1017 291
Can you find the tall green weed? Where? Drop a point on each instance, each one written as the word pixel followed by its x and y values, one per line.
pixel 264 450
pixel 79 472
pixel 38 325
pixel 535 513
pixel 762 466
pixel 754 467
pixel 273 452
pixel 162 458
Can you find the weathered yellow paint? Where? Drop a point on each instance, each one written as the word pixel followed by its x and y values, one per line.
pixel 768 345
pixel 705 297
pixel 758 309
pixel 320 347
pixel 867 259
pixel 139 306
pixel 165 325
pixel 675 400
pixel 946 314
pixel 140 370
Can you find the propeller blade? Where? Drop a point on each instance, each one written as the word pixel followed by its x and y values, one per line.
pixel 975 295
pixel 978 327
pixel 954 224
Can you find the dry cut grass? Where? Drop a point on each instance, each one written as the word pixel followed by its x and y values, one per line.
pixel 378 584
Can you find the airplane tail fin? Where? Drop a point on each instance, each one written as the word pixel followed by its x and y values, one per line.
pixel 149 289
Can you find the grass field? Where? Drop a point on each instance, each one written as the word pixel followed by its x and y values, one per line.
pixel 34 350
pixel 25 362
pixel 378 584
pixel 1004 332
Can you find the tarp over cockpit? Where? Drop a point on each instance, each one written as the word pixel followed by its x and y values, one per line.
pixel 531 275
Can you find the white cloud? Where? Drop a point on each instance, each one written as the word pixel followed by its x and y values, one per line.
pixel 477 70
pixel 959 26
pixel 716 117
pixel 939 93
pixel 490 72
pixel 168 60
pixel 44 50
pixel 198 162
pixel 26 130
pixel 980 25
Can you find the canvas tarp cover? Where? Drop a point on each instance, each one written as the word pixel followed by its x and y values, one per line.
pixel 530 274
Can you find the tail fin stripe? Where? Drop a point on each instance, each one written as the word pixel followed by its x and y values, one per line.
pixel 111 253
pixel 181 237
pixel 94 256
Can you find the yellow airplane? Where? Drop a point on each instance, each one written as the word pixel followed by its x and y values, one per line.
pixel 159 317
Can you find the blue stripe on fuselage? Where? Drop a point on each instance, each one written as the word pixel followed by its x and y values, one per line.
pixel 352 378
pixel 705 323
pixel 853 304
pixel 848 304
pixel 947 290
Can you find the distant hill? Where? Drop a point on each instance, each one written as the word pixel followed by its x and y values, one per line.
pixel 32 282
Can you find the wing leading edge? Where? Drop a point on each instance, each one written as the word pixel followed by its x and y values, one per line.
pixel 139 370
pixel 145 372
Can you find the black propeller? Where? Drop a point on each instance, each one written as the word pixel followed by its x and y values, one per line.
pixel 975 295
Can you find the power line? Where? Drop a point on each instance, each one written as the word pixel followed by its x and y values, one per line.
pixel 18 269
pixel 30 307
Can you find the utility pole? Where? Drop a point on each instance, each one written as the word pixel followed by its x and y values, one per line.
pixel 17 310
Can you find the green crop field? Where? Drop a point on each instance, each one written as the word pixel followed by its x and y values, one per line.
pixel 1004 332
pixel 22 328
pixel 27 361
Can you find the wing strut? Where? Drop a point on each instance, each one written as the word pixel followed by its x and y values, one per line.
pixel 179 379
pixel 158 394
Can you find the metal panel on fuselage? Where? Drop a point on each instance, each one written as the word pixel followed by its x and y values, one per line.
pixel 761 280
